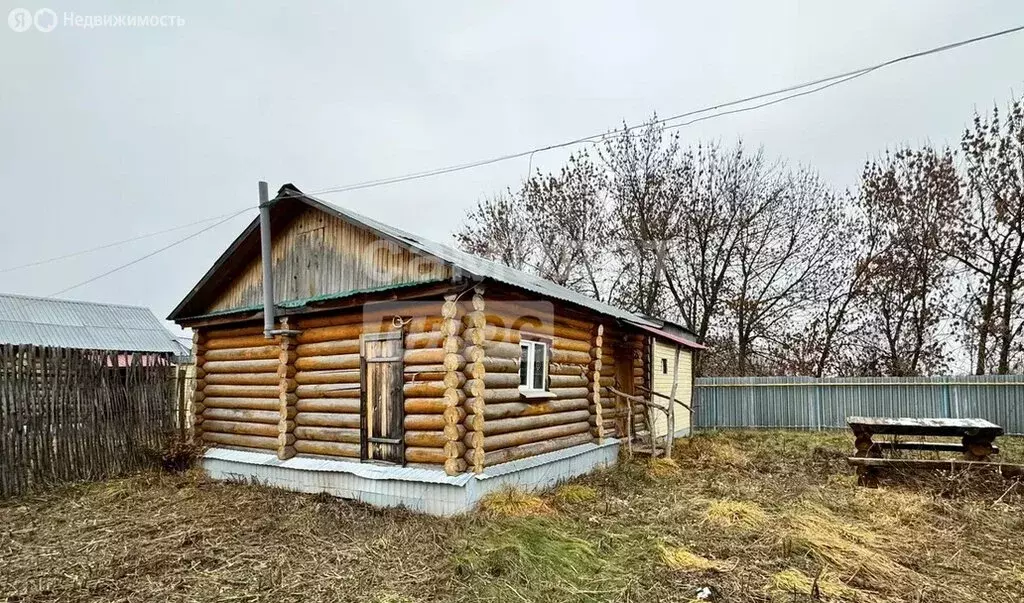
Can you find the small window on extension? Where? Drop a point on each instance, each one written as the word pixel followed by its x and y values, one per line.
pixel 664 366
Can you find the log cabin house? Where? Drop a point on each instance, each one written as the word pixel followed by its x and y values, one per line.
pixel 399 371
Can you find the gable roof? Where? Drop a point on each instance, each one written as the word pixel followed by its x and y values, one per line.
pixel 50 322
pixel 468 264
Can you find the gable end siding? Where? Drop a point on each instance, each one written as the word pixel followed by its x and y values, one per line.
pixel 318 254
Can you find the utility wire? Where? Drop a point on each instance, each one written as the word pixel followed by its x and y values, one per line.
pixel 771 102
pixel 821 84
pixel 113 244
pixel 855 73
pixel 149 255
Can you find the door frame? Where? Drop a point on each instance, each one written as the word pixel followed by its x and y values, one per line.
pixel 364 440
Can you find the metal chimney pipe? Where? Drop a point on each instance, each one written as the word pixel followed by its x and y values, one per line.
pixel 265 259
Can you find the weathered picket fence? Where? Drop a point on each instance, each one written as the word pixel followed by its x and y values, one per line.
pixel 809 403
pixel 69 415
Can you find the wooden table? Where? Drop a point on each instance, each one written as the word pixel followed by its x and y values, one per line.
pixel 977 440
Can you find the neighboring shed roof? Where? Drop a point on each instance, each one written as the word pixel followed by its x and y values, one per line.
pixel 44 321
pixel 470 264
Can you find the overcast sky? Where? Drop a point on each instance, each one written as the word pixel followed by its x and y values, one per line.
pixel 107 133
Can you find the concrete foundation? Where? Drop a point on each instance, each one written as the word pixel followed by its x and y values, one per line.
pixel 420 489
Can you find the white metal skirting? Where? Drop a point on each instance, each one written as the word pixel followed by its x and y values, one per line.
pixel 425 490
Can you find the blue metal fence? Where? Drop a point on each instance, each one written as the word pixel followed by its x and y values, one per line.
pixel 809 403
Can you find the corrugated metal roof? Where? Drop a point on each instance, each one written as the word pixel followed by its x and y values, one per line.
pixel 466 263
pixel 62 323
pixel 672 337
pixel 483 268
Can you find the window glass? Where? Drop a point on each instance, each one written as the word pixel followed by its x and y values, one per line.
pixel 533 366
pixel 524 363
pixel 539 364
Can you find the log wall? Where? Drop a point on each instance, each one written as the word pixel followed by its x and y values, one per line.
pixel 620 353
pixel 432 383
pixel 300 393
pixel 328 380
pixel 502 425
pixel 454 364
pixel 327 392
pixel 237 400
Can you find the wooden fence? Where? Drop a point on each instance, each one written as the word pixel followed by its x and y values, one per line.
pixel 69 415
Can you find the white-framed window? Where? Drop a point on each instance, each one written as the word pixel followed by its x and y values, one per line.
pixel 533 366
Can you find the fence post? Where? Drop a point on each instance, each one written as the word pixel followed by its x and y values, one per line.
pixel 181 375
pixel 945 401
pixel 817 404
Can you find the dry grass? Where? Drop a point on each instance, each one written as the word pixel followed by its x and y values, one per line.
pixel 726 513
pixel 712 451
pixel 793 583
pixel 156 537
pixel 660 468
pixel 533 558
pixel 680 559
pixel 861 555
pixel 572 494
pixel 512 502
pixel 753 516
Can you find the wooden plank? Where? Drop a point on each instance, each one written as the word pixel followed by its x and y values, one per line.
pixel 924 426
pixel 1007 469
pixel 928 446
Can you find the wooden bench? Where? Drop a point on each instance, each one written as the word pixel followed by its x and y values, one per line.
pixel 976 442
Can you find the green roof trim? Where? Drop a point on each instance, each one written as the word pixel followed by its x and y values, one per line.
pixel 291 304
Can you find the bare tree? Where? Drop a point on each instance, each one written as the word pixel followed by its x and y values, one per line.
pixel 990 236
pixel 769 266
pixel 908 198
pixel 497 229
pixel 643 175
pixel 568 222
pixel 822 342
pixel 715 185
pixel 791 238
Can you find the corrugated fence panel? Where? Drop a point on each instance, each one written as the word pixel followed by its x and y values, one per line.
pixel 809 403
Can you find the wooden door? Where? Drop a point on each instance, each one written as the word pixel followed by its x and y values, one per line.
pixel 383 413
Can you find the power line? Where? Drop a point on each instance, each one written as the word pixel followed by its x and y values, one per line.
pixel 769 103
pixel 818 85
pixel 854 73
pixel 113 244
pixel 148 255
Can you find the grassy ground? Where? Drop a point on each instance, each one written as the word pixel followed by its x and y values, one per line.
pixel 751 517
